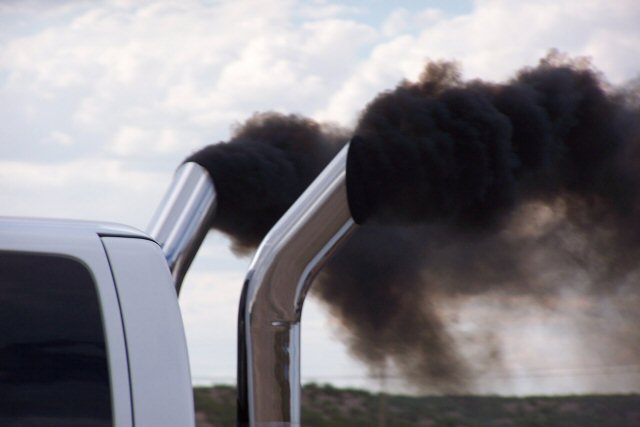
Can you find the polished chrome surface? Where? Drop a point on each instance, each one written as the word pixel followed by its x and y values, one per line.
pixel 182 219
pixel 281 273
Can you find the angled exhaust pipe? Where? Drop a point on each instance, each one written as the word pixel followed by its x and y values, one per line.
pixel 183 217
pixel 287 261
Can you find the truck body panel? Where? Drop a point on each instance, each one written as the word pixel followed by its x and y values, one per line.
pixel 159 363
pixel 59 290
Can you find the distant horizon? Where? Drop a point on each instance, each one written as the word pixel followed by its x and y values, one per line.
pixel 329 407
pixel 433 394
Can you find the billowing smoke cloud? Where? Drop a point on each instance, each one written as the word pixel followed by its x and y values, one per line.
pixel 465 188
pixel 262 170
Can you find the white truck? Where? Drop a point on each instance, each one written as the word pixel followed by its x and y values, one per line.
pixel 90 329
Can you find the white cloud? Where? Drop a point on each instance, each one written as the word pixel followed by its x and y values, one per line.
pixel 403 21
pixel 500 36
pixel 90 189
pixel 60 138
pixel 164 65
pixel 136 77
pixel 131 141
pixel 387 64
pixel 493 41
pixel 322 9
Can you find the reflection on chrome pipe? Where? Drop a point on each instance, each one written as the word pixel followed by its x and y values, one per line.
pixel 182 219
pixel 270 309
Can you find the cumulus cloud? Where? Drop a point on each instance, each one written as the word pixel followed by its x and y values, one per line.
pixel 166 65
pixel 132 141
pixel 493 40
pixel 90 188
pixel 107 68
pixel 60 138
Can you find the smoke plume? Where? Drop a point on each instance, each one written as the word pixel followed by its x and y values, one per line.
pixel 464 189
pixel 261 171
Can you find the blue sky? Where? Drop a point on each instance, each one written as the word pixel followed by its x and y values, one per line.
pixel 101 100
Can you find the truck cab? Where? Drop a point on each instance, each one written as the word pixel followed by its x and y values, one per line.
pixel 90 329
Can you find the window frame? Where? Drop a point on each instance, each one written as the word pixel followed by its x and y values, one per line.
pixel 82 244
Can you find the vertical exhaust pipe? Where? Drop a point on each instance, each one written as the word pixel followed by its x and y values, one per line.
pixel 288 259
pixel 183 217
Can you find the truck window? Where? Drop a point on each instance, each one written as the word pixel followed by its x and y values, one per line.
pixel 53 362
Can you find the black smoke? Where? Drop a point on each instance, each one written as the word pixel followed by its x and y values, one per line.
pixel 464 188
pixel 269 161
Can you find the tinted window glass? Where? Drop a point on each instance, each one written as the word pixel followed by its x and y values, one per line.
pixel 53 365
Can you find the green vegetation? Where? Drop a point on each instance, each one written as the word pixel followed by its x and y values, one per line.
pixel 327 406
pixel 215 406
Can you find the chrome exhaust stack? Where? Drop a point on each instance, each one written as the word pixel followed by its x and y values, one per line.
pixel 183 218
pixel 287 261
